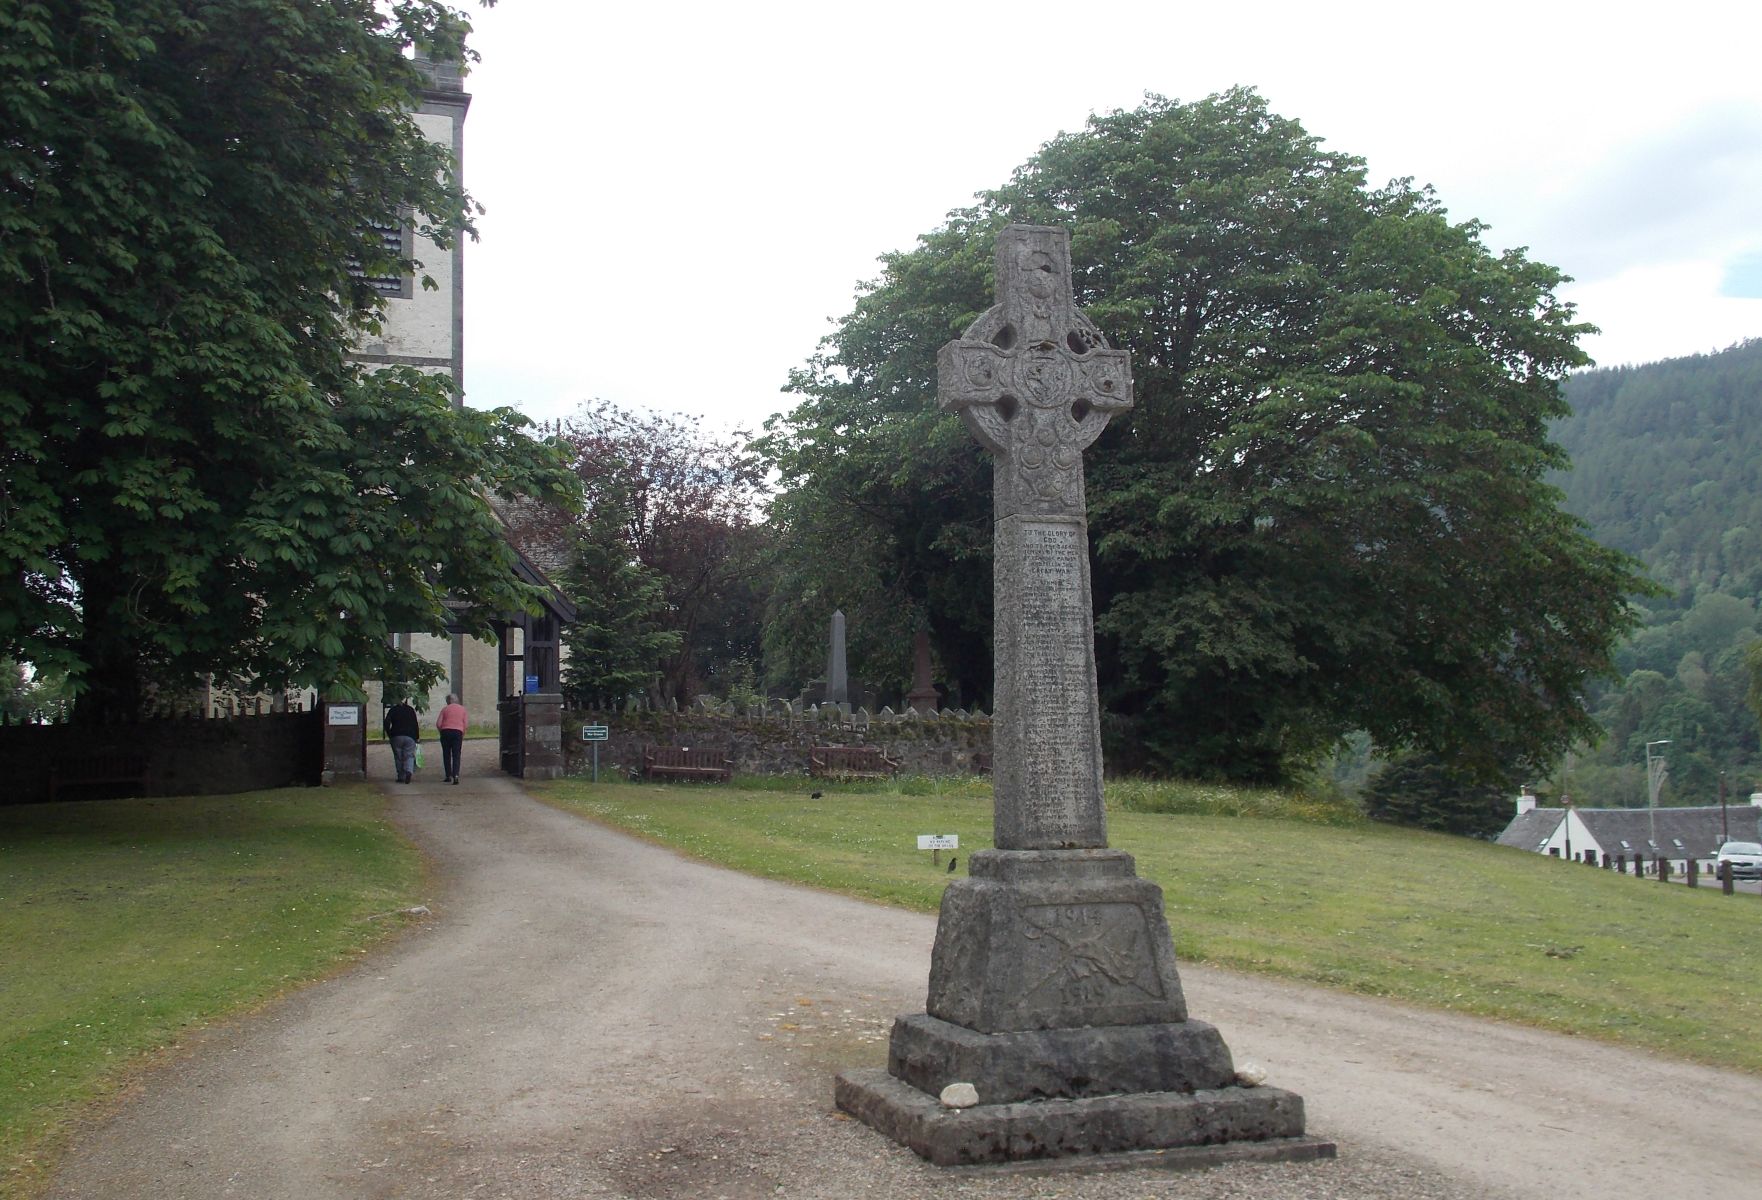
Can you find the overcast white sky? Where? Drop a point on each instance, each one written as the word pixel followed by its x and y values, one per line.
pixel 681 195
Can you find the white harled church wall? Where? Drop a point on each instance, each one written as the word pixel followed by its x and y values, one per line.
pixel 479 681
pixel 474 683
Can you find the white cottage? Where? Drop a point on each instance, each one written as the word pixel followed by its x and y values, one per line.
pixel 1679 835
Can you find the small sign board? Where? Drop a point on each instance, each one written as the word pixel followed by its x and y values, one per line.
pixel 343 714
pixel 531 684
pixel 939 841
pixel 595 733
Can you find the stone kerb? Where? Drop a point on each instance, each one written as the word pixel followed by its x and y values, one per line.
pixel 773 743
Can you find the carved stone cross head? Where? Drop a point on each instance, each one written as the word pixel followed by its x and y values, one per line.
pixel 1033 378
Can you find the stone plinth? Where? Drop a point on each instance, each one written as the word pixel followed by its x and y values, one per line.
pixel 344 729
pixel 1059 1064
pixel 1053 939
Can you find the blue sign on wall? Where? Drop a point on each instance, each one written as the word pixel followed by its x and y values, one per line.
pixel 531 683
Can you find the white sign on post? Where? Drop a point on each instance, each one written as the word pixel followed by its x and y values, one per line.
pixel 939 841
pixel 343 714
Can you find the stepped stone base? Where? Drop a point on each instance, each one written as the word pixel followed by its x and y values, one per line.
pixel 1263 1124
pixel 1053 992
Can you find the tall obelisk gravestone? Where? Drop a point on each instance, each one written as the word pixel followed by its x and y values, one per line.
pixel 837 675
pixel 1053 988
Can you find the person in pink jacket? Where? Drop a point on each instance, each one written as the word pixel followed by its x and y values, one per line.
pixel 451 722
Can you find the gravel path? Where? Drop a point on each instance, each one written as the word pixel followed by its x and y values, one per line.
pixel 585 1015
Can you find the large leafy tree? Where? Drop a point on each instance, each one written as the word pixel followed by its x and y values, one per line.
pixel 197 478
pixel 1328 511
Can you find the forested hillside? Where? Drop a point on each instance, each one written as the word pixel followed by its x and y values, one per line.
pixel 1667 465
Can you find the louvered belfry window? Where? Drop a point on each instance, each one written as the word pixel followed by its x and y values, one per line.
pixel 393 234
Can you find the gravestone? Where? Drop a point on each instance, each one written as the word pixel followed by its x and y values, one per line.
pixel 1053 988
pixel 837 676
pixel 923 697
pixel 836 688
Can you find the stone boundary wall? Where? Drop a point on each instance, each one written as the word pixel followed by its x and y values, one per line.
pixel 778 744
pixel 185 756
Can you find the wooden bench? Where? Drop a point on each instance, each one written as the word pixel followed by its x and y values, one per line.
pixel 91 770
pixel 851 762
pixel 678 762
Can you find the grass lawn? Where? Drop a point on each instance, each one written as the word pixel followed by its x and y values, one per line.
pixel 1434 920
pixel 126 922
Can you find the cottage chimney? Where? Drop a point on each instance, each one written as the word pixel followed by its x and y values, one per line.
pixel 1527 800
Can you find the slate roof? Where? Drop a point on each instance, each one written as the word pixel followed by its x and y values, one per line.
pixel 538 531
pixel 540 548
pixel 1698 829
pixel 1529 830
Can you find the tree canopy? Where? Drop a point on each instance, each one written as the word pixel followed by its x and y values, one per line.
pixel 666 556
pixel 1417 790
pixel 197 478
pixel 1329 510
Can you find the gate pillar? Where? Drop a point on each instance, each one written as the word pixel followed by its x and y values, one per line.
pixel 344 731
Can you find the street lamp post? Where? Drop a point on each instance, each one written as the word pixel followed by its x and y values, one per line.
pixel 1655 773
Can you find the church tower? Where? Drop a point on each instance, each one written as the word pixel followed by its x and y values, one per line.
pixel 425 329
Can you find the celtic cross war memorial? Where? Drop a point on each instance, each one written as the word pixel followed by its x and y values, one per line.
pixel 1053 990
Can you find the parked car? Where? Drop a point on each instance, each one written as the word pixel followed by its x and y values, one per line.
pixel 1745 859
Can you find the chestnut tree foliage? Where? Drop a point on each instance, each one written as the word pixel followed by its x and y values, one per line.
pixel 1328 511
pixel 197 478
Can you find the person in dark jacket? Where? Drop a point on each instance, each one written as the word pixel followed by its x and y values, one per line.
pixel 403 731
